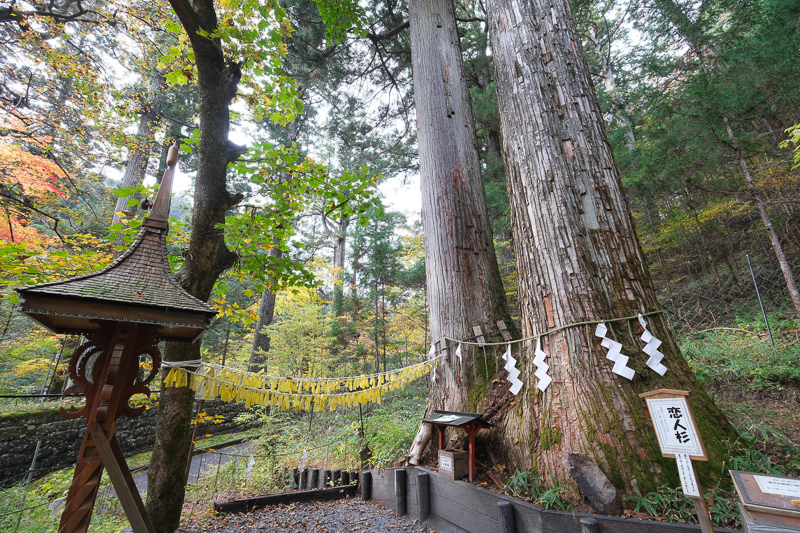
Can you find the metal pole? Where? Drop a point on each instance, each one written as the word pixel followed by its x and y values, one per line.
pixel 758 294
pixel 28 482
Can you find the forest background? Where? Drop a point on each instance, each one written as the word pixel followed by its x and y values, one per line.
pixel 327 280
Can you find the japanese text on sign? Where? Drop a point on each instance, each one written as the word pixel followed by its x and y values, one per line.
pixel 779 485
pixel 674 427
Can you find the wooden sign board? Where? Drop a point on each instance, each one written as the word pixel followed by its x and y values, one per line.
pixel 679 438
pixel 675 426
pixel 768 494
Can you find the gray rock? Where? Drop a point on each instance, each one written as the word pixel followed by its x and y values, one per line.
pixel 594 484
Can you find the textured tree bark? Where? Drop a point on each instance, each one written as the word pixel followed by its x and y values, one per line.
pixel 266 312
pixel 140 153
pixel 463 281
pixel 578 260
pixel 339 235
pixel 207 257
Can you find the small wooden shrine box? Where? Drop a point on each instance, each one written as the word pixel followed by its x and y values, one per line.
pixel 453 464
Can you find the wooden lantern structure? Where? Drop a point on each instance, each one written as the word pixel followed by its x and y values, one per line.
pixel 122 311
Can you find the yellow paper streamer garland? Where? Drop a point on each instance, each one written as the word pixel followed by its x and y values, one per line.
pixel 228 384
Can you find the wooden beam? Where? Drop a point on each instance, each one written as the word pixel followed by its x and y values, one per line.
pixel 316 495
pixel 121 478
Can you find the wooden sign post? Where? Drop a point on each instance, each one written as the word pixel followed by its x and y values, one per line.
pixel 679 438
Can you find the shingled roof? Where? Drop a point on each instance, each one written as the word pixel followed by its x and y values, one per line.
pixel 140 276
pixel 137 287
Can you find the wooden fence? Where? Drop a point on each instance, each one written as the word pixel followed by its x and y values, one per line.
pixel 458 507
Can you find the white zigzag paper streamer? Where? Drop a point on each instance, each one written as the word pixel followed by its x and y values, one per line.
pixel 460 362
pixel 513 373
pixel 652 349
pixel 621 367
pixel 432 357
pixel 541 367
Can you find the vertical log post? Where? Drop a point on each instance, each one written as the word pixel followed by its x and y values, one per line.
pixel 590 525
pixel 303 479
pixel 314 481
pixel 337 478
pixel 423 496
pixel 345 478
pixel 366 485
pixel 400 481
pixel 325 480
pixel 506 511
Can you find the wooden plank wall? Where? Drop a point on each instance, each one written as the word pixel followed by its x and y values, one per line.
pixel 459 507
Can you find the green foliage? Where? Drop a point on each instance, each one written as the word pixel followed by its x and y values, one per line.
pixel 665 502
pixel 725 354
pixel 550 494
pixel 341 17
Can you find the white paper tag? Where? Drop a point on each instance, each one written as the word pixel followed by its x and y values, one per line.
pixel 446 464
pixel 686 472
pixel 781 486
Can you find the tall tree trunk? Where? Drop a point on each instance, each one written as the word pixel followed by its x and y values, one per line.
pixel 207 257
pixel 139 153
pixel 777 248
pixel 578 260
pixel 463 281
pixel 266 312
pixel 339 248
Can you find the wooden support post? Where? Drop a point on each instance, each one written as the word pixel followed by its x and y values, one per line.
pixel 472 430
pixel 303 479
pixel 314 481
pixel 423 495
pixel 325 480
pixel 440 427
pixel 296 477
pixel 400 482
pixel 345 477
pixel 337 478
pixel 703 516
pixel 111 455
pixel 590 525
pixel 366 485
pixel 506 511
pixel 354 476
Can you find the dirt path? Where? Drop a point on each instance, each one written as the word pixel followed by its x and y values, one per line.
pixel 342 516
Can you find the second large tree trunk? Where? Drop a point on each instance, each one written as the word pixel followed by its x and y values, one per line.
pixel 463 281
pixel 579 260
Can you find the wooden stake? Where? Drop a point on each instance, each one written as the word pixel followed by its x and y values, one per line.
pixel 703 516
